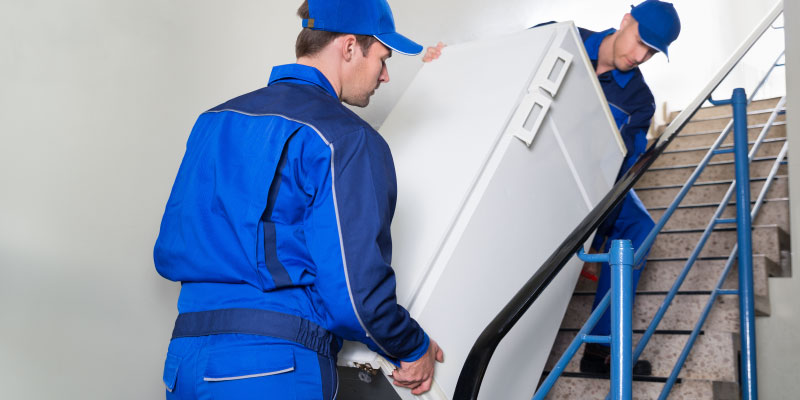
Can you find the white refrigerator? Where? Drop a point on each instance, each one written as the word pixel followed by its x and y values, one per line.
pixel 502 146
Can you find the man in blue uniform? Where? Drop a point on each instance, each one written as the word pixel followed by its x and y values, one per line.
pixel 278 222
pixel 616 54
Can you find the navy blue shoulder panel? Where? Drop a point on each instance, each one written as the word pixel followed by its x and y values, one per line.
pixel 585 33
pixel 636 95
pixel 306 104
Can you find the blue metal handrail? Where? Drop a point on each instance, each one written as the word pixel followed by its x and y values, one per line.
pixel 583 336
pixel 709 229
pixel 620 259
pixel 718 288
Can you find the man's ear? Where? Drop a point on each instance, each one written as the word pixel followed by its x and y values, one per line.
pixel 349 45
pixel 626 20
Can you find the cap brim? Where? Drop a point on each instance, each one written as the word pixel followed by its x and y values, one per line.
pixel 644 34
pixel 399 43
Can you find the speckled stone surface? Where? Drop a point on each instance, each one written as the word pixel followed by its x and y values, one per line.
pixel 683 313
pixel 569 388
pixel 766 241
pixel 772 212
pixel 713 193
pixel 770 148
pixel 716 111
pixel 660 275
pixel 691 141
pixel 712 173
pixel 705 125
pixel 713 356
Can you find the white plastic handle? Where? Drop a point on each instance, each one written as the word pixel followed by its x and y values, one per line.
pixel 543 79
pixel 529 116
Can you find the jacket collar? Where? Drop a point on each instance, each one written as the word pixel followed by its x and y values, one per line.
pixel 302 74
pixel 592 45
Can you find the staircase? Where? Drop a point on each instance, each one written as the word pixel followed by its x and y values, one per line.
pixel 711 370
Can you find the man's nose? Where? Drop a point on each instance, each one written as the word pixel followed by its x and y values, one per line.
pixel 641 54
pixel 384 77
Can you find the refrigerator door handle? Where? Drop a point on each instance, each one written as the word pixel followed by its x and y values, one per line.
pixel 552 71
pixel 529 116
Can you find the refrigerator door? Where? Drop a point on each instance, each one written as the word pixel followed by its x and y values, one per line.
pixel 502 146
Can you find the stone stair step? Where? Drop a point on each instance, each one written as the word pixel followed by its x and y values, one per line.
pixel 718 124
pixel 708 192
pixel 705 139
pixel 659 275
pixel 772 212
pixel 770 147
pixel 682 314
pixel 714 171
pixel 573 387
pixel 726 111
pixel 768 240
pixel 712 358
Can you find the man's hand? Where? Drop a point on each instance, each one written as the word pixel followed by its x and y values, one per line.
pixel 418 375
pixel 433 53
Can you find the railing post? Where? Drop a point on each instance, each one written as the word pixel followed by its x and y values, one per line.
pixel 621 262
pixel 744 236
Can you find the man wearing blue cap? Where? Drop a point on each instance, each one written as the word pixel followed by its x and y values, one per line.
pixel 616 54
pixel 278 222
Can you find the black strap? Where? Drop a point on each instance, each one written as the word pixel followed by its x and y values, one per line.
pixel 257 322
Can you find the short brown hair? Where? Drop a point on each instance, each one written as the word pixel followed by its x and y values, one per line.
pixel 310 42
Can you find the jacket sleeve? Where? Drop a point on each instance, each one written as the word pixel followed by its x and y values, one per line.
pixel 634 134
pixel 348 234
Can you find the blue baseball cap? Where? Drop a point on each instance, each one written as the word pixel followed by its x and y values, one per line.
pixel 659 24
pixel 359 17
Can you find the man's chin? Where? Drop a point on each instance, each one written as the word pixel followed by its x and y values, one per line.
pixel 357 103
pixel 624 66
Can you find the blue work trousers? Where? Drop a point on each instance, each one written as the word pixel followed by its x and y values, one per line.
pixel 240 366
pixel 634 223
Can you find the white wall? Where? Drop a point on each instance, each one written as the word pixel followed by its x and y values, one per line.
pixel 97 98
pixel 96 101
pixel 776 335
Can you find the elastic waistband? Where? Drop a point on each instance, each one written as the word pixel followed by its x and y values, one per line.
pixel 257 322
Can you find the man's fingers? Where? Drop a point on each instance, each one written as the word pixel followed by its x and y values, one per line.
pixel 423 387
pixel 439 355
pixel 409 385
pixel 433 53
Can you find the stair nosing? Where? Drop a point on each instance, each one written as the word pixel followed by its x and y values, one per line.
pixel 701 230
pixel 636 378
pixel 729 116
pixel 718 131
pixel 710 205
pixel 708 183
pixel 724 162
pixel 676 332
pixel 706 148
pixel 654 293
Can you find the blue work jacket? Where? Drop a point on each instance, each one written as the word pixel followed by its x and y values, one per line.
pixel 283 201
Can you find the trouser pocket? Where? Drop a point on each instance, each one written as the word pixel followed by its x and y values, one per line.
pixel 251 372
pixel 171 365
